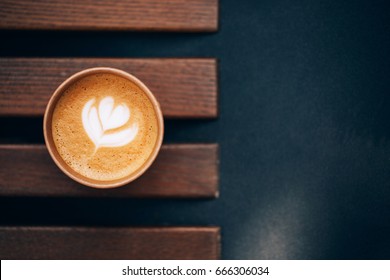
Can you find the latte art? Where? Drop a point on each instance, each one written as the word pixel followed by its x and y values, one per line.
pixel 100 121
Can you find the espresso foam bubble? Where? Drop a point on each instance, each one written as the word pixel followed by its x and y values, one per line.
pixel 104 127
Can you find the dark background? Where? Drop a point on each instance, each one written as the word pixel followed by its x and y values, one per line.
pixel 304 130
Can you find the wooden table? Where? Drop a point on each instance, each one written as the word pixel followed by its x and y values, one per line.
pixel 186 89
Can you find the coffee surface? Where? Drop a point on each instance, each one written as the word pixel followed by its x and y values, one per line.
pixel 104 127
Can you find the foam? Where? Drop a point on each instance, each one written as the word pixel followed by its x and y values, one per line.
pixel 99 120
pixel 104 127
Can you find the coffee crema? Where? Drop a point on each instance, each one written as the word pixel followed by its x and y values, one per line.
pixel 104 127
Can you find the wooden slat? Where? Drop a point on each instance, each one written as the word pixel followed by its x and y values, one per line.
pixel 109 243
pixel 142 15
pixel 185 171
pixel 185 88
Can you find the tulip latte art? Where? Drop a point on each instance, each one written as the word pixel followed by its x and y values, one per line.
pixel 104 127
pixel 100 119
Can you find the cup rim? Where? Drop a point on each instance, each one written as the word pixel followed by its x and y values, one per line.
pixel 58 160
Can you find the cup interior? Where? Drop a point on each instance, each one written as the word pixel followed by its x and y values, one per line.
pixel 47 129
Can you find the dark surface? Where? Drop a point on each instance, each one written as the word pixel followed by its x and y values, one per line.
pixel 303 130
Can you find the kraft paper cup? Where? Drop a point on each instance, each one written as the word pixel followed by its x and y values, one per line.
pixel 47 129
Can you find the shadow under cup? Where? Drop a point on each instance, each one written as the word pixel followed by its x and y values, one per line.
pixel 50 144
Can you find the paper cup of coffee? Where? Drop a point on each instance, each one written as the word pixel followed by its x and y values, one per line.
pixel 103 127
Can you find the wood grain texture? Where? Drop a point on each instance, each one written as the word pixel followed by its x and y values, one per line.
pixel 182 171
pixel 185 88
pixel 109 243
pixel 136 15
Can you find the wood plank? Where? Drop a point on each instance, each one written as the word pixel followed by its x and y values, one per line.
pixel 134 15
pixel 182 171
pixel 109 243
pixel 185 88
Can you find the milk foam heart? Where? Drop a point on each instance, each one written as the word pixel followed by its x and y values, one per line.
pixel 99 120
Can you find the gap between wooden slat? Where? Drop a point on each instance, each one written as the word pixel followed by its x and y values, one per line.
pixel 109 243
pixel 180 171
pixel 136 15
pixel 185 88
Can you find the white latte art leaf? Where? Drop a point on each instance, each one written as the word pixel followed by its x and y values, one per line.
pixel 96 122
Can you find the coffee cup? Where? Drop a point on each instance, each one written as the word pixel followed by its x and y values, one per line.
pixel 103 127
